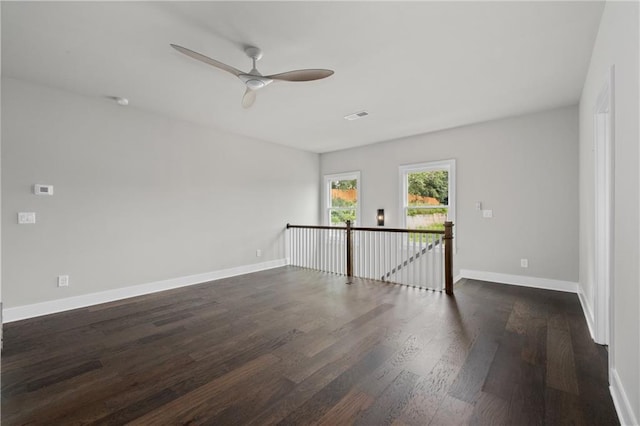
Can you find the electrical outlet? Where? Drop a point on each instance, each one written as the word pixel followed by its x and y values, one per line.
pixel 487 214
pixel 63 280
pixel 524 263
pixel 258 253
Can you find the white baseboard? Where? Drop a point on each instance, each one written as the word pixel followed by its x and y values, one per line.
pixel 588 312
pixel 521 280
pixel 621 401
pixel 457 278
pixel 59 305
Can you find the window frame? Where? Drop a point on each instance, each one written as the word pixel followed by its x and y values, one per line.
pixel 327 179
pixel 405 170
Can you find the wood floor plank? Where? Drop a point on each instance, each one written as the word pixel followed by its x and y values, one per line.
pixel 469 382
pixel 561 368
pixel 452 411
pixel 428 394
pixel 322 401
pixel 389 371
pixel 185 408
pixel 527 402
pixel 490 410
pixel 562 408
pixel 347 409
pixel 504 373
pixel 390 403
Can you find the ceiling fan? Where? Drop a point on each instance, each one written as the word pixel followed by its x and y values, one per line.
pixel 253 79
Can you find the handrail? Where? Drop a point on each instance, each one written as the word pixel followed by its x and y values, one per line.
pixel 447 240
pixel 360 228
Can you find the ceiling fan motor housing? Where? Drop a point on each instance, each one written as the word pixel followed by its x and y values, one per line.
pixel 254 82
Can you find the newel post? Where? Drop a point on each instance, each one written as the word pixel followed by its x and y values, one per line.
pixel 448 257
pixel 349 253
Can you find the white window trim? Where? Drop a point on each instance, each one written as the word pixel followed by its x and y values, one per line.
pixel 404 170
pixel 326 190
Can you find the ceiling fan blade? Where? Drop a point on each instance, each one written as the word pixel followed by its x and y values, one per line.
pixel 302 75
pixel 248 99
pixel 207 60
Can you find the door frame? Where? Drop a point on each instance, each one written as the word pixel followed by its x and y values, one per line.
pixel 604 210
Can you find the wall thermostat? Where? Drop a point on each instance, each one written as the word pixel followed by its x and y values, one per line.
pixel 42 189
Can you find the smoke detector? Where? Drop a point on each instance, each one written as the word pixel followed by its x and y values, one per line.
pixel 356 115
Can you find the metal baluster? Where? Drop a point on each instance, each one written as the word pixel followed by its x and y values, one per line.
pixel 412 256
pixel 334 250
pixel 372 249
pixel 413 245
pixel 380 261
pixel 340 254
pixel 302 234
pixel 441 268
pixel 388 261
pixel 357 256
pixel 394 267
pixel 380 254
pixel 312 247
pixel 320 248
pixel 406 260
pixel 291 246
pixel 325 245
pixel 437 281
pixel 368 254
pixel 298 246
pixel 383 237
pixel 317 256
pixel 422 259
pixel 329 250
pixel 337 246
pixel 432 260
pixel 375 255
pixel 387 250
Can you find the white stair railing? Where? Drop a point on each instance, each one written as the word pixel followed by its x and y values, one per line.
pixel 417 258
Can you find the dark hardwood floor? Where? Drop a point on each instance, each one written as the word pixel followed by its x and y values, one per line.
pixel 292 346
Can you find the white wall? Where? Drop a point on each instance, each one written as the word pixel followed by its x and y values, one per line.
pixel 616 44
pixel 525 169
pixel 137 197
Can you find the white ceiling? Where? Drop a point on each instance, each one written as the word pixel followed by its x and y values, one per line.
pixel 416 67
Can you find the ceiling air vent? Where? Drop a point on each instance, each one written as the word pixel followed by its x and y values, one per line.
pixel 356 115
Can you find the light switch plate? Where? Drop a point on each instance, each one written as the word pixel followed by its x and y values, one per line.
pixel 26 218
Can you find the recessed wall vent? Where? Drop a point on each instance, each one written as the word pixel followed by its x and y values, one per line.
pixel 356 115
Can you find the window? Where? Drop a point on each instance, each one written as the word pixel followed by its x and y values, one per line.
pixel 342 196
pixel 428 194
